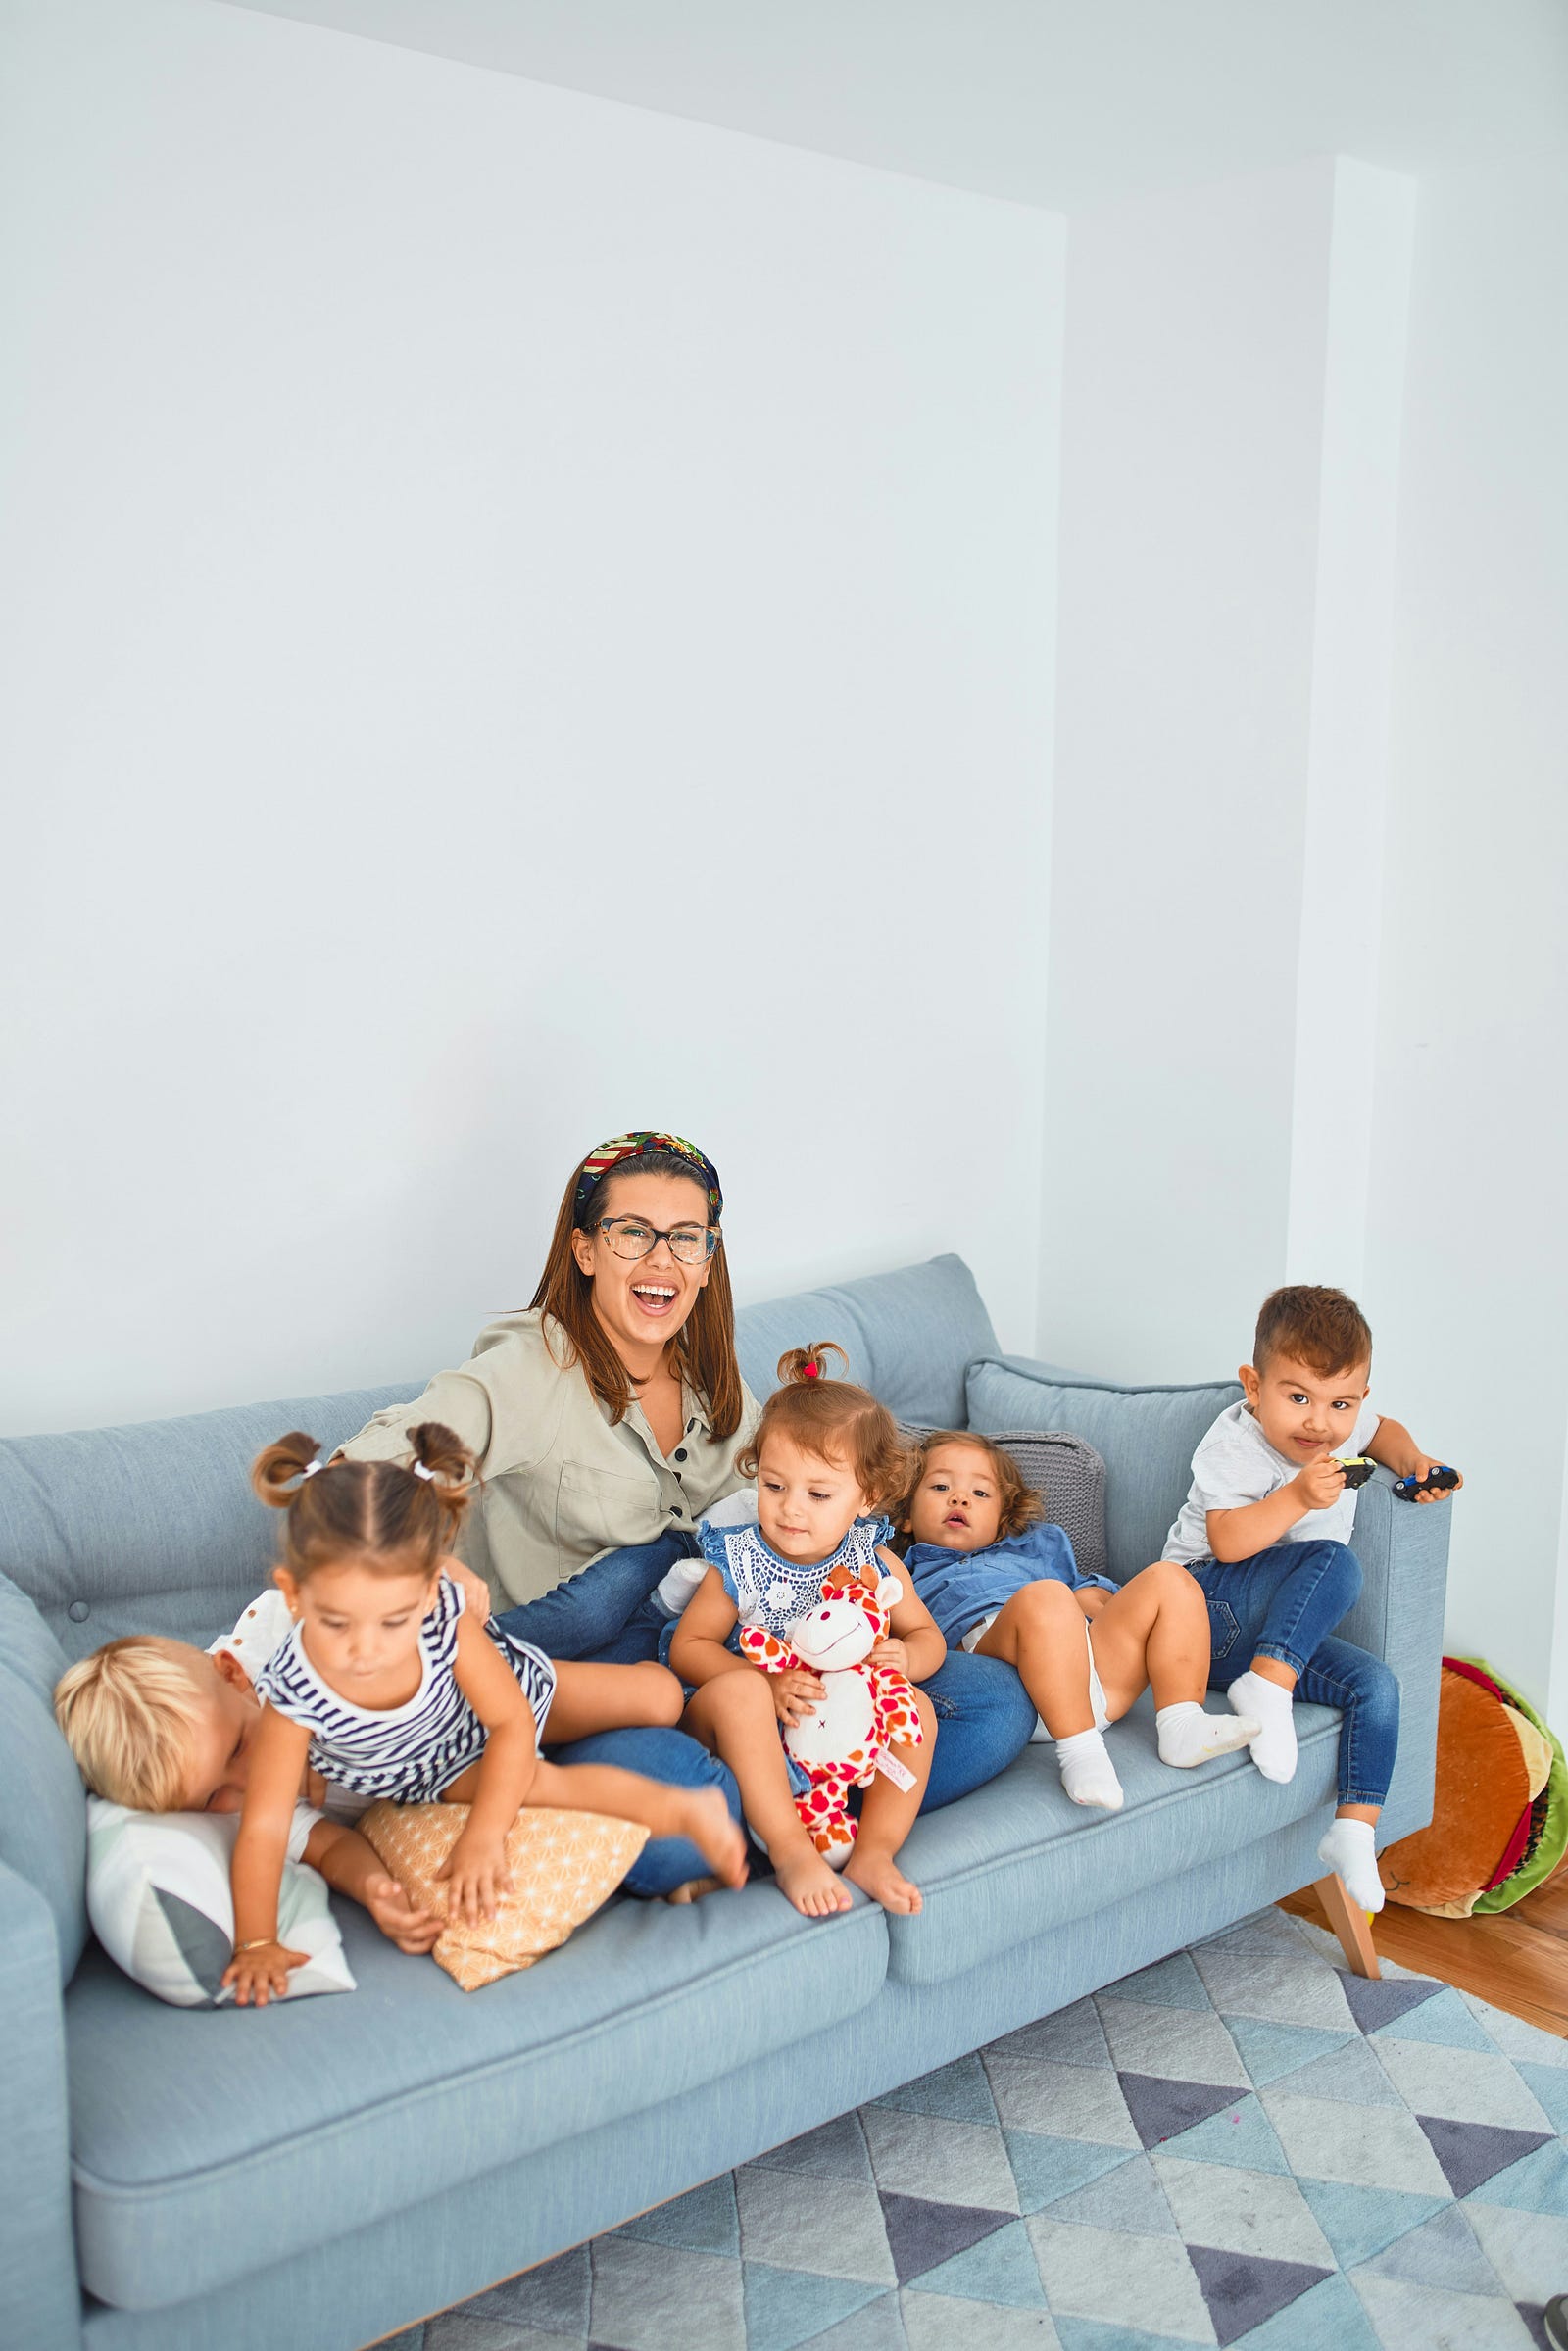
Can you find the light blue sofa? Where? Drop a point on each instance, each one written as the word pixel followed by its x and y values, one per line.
pixel 326 2172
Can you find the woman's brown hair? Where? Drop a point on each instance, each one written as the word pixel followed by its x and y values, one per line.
pixel 376 1512
pixel 834 1419
pixel 704 1344
pixel 1019 1503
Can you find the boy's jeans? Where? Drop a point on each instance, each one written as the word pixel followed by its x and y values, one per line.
pixel 607 1612
pixel 1285 1603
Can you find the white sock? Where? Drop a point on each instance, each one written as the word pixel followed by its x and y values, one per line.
pixel 1274 1746
pixel 1086 1772
pixel 1348 1848
pixel 1189 1736
pixel 680 1586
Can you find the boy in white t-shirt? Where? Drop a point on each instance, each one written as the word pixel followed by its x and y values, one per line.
pixel 1266 1529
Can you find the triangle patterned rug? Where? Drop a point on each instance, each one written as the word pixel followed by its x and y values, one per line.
pixel 1243 2147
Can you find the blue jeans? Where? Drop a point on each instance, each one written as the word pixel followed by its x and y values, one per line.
pixel 1285 1603
pixel 984 1713
pixel 606 1613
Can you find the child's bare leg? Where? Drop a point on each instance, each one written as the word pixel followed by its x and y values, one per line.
pixel 611 1697
pixel 698 1813
pixel 733 1716
pixel 887 1815
pixel 1041 1632
pixel 1155 1629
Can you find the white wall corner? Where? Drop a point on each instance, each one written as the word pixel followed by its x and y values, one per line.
pixel 1345 803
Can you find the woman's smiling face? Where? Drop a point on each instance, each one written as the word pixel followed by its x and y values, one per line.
pixel 643 1302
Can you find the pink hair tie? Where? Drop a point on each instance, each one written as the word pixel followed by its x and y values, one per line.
pixel 809 1371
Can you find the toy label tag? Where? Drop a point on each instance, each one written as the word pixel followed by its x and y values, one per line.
pixel 892 1768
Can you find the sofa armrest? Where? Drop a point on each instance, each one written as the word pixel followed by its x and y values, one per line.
pixel 40 2297
pixel 1404 1550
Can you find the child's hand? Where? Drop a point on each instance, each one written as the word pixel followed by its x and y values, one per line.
pixel 476 1875
pixel 892 1654
pixel 795 1693
pixel 414 1931
pixel 474 1590
pixel 1421 1466
pixel 262 1974
pixel 1321 1484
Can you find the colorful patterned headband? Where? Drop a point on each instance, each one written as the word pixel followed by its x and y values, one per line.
pixel 640 1144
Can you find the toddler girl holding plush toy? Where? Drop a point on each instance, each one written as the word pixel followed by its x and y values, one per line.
pixel 1002 1582
pixel 827 1460
pixel 390 1688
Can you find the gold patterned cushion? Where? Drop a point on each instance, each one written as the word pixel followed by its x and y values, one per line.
pixel 564 1866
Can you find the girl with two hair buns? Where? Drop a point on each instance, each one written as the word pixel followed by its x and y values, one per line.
pixel 828 1459
pixel 389 1689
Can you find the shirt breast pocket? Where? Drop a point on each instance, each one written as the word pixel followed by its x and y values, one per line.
pixel 599 1510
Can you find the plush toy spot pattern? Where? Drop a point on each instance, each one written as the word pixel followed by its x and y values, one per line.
pixel 866 1709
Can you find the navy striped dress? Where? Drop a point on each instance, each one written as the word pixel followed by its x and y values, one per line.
pixel 405 1754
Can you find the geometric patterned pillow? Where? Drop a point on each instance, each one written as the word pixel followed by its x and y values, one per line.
pixel 158 1894
pixel 564 1866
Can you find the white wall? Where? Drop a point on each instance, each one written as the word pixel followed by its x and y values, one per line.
pixel 524 617
pixel 1231 412
pixel 1467 1245
pixel 1307 979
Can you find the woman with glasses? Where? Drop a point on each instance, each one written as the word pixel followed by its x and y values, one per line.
pixel 605 1422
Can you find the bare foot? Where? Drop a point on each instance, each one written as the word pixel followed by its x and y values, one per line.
pixel 702 1815
pixel 878 1875
pixel 692 1890
pixel 808 1881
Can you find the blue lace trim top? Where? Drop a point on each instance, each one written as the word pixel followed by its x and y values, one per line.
pixel 772 1592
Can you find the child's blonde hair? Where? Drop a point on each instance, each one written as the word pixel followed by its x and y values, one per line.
pixel 1018 1501
pixel 836 1420
pixel 130 1714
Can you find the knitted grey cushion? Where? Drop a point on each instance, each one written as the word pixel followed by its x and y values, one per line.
pixel 1069 1477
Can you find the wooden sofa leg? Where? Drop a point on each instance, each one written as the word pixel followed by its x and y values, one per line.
pixel 1351 1925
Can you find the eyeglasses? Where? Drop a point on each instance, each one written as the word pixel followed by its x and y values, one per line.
pixel 629 1237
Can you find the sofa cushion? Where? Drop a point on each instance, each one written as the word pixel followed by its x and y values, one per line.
pixel 908 1336
pixel 44 1806
pixel 335 2113
pixel 1146 1436
pixel 154 1529
pixel 1016 1856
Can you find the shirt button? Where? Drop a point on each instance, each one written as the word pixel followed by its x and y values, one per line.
pixel 680 1453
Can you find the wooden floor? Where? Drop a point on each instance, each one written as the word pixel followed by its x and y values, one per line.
pixel 1517 1959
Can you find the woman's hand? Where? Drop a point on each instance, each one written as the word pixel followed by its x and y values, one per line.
pixel 794 1692
pixel 892 1654
pixel 476 1590
pixel 476 1876
pixel 262 1974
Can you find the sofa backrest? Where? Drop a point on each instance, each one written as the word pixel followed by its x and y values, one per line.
pixel 909 1336
pixel 1146 1436
pixel 154 1529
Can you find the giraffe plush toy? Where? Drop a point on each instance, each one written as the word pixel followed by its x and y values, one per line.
pixel 867 1709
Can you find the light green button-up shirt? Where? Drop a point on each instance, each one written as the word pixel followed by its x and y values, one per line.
pixel 561 1486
